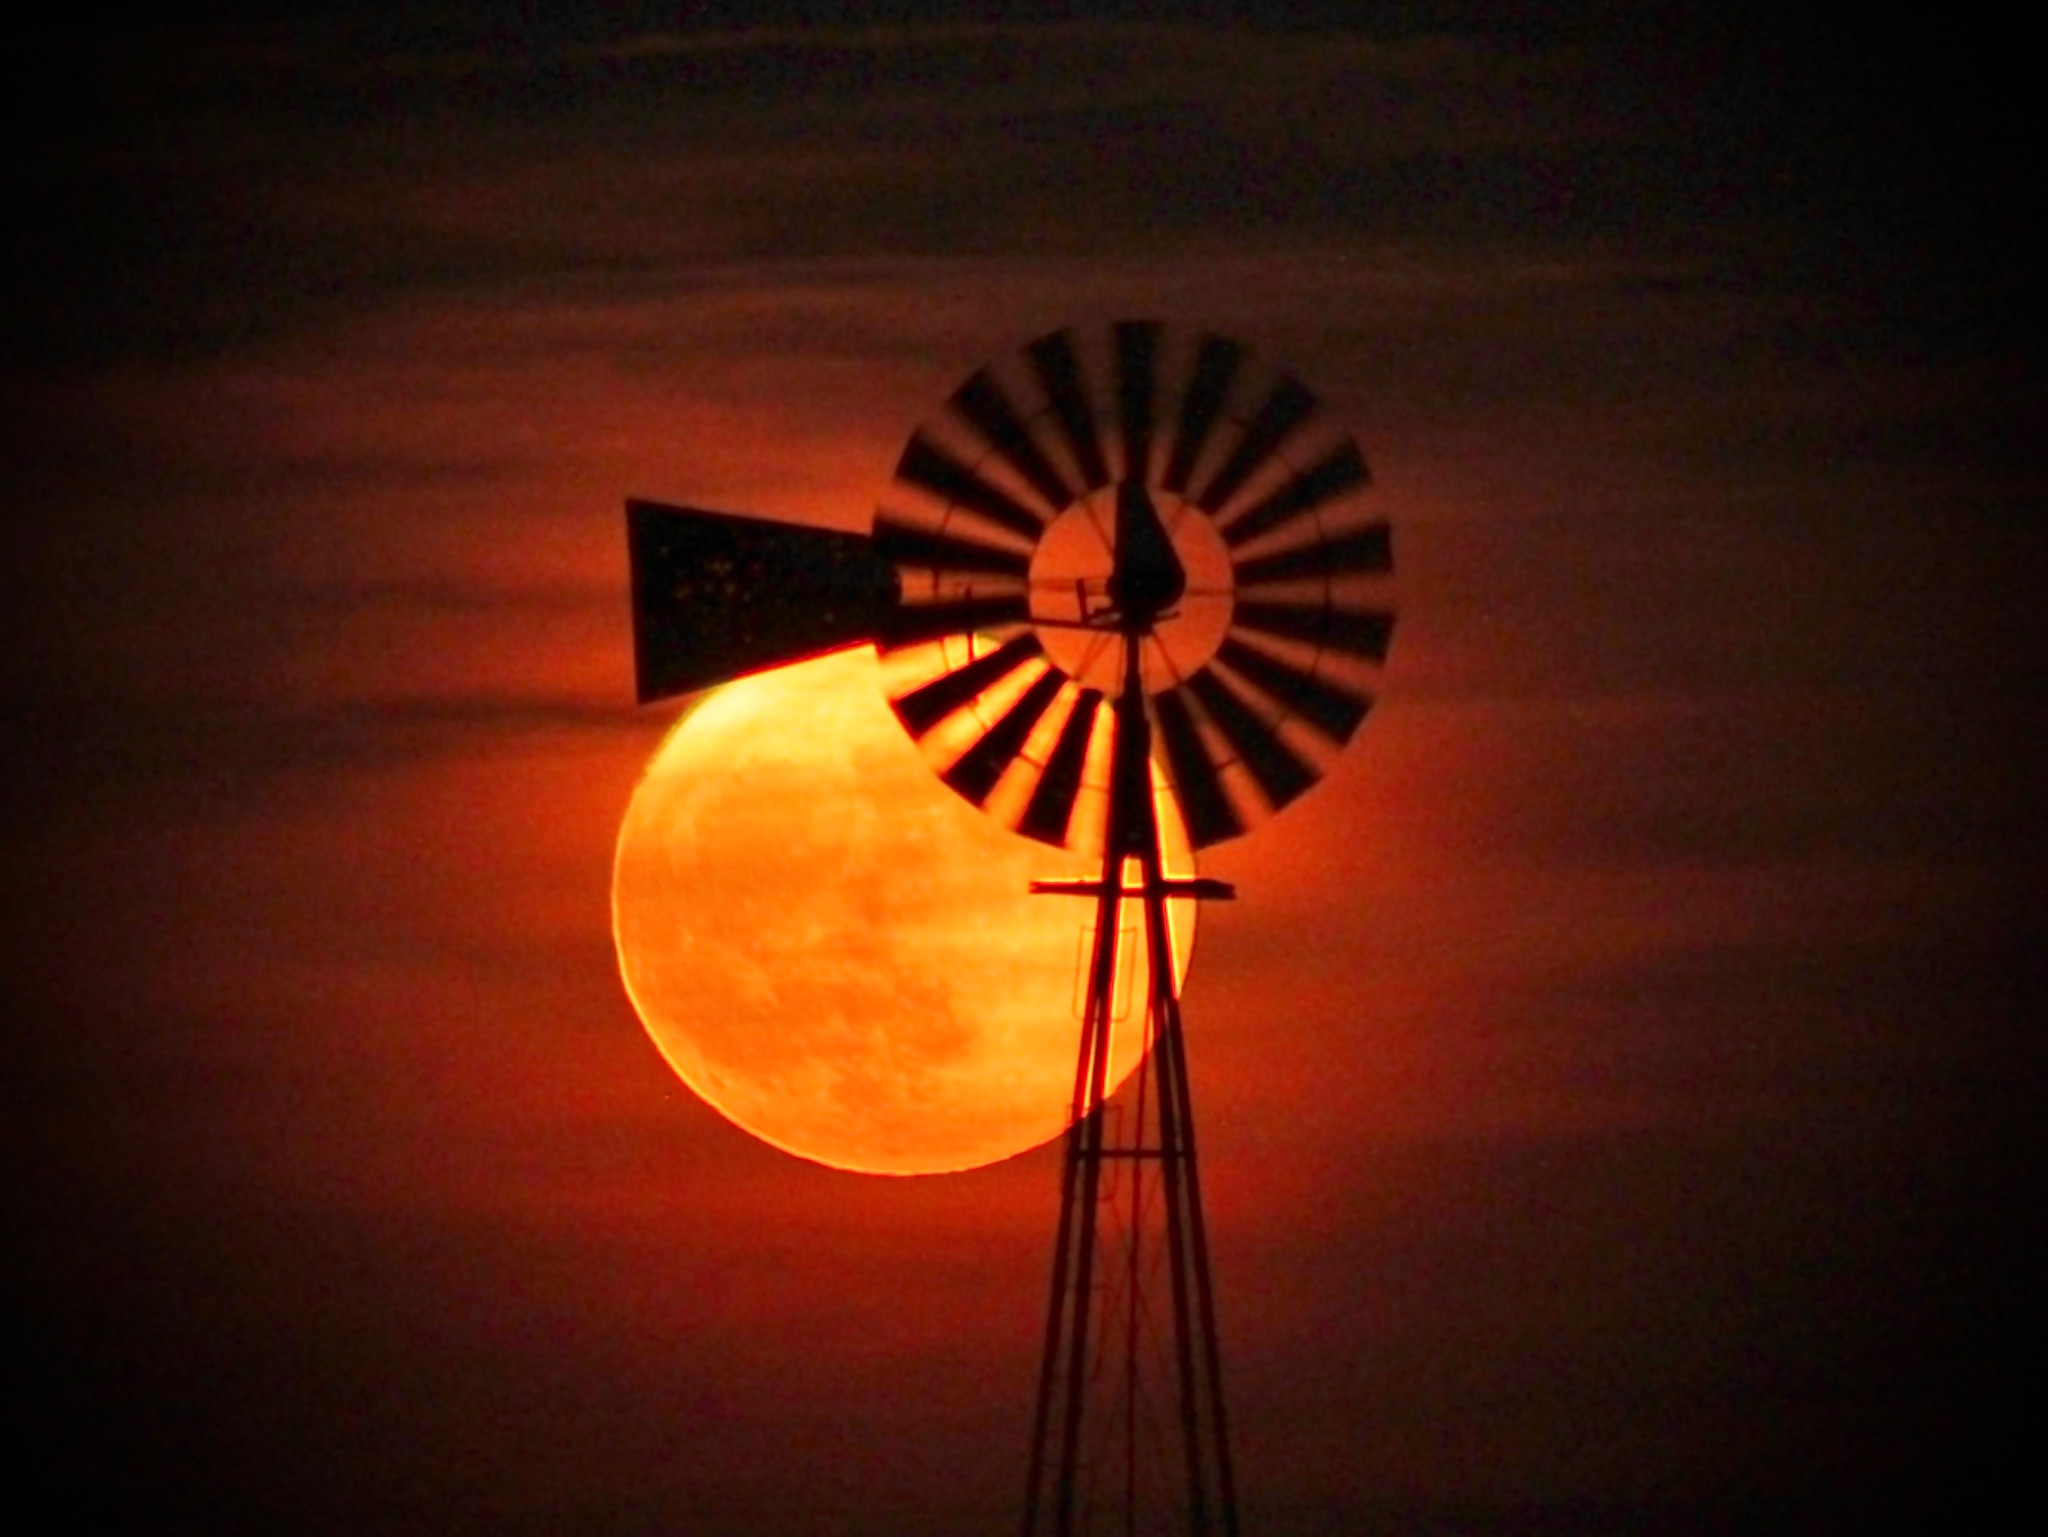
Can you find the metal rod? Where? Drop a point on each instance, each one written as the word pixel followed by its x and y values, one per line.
pixel 1205 1291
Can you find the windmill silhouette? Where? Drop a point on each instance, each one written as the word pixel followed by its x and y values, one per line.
pixel 1124 598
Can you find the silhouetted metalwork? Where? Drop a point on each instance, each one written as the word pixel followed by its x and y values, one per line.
pixel 1065 1489
pixel 717 596
pixel 1119 551
pixel 1141 435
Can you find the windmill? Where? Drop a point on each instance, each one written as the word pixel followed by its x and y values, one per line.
pixel 1125 601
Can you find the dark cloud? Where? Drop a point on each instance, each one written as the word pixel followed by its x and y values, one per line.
pixel 206 760
pixel 204 188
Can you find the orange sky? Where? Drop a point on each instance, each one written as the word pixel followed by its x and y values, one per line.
pixel 1610 1077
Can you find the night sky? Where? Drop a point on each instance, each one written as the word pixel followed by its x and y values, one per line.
pixel 1619 1081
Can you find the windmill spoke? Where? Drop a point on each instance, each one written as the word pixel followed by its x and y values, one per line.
pixel 1216 364
pixel 1364 551
pixel 1051 808
pixel 923 708
pixel 1330 707
pixel 930 468
pixel 1281 772
pixel 1338 472
pixel 907 544
pixel 1094 649
pixel 1363 632
pixel 982 402
pixel 975 772
pixel 1286 408
pixel 1206 809
pixel 1059 374
pixel 911 623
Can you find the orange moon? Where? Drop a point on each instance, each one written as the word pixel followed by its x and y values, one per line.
pixel 839 954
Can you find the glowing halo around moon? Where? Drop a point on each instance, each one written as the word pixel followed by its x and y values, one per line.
pixel 837 952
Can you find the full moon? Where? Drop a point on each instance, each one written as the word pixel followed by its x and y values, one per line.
pixel 839 954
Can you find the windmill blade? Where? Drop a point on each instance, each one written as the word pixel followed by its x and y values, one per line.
pixel 718 595
pixel 1197 785
pixel 930 468
pixel 911 623
pixel 975 772
pixel 1051 809
pixel 908 544
pixel 1286 408
pixel 924 707
pixel 1331 708
pixel 1362 632
pixel 992 549
pixel 1058 368
pixel 982 403
pixel 1366 550
pixel 1281 772
pixel 1216 365
pixel 1339 471
pixel 1137 361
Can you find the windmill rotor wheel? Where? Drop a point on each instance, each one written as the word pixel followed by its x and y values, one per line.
pixel 1261 624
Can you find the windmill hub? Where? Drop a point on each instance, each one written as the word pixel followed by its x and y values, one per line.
pixel 1147 577
pixel 1079 604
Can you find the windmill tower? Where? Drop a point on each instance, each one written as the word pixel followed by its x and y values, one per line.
pixel 1127 603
